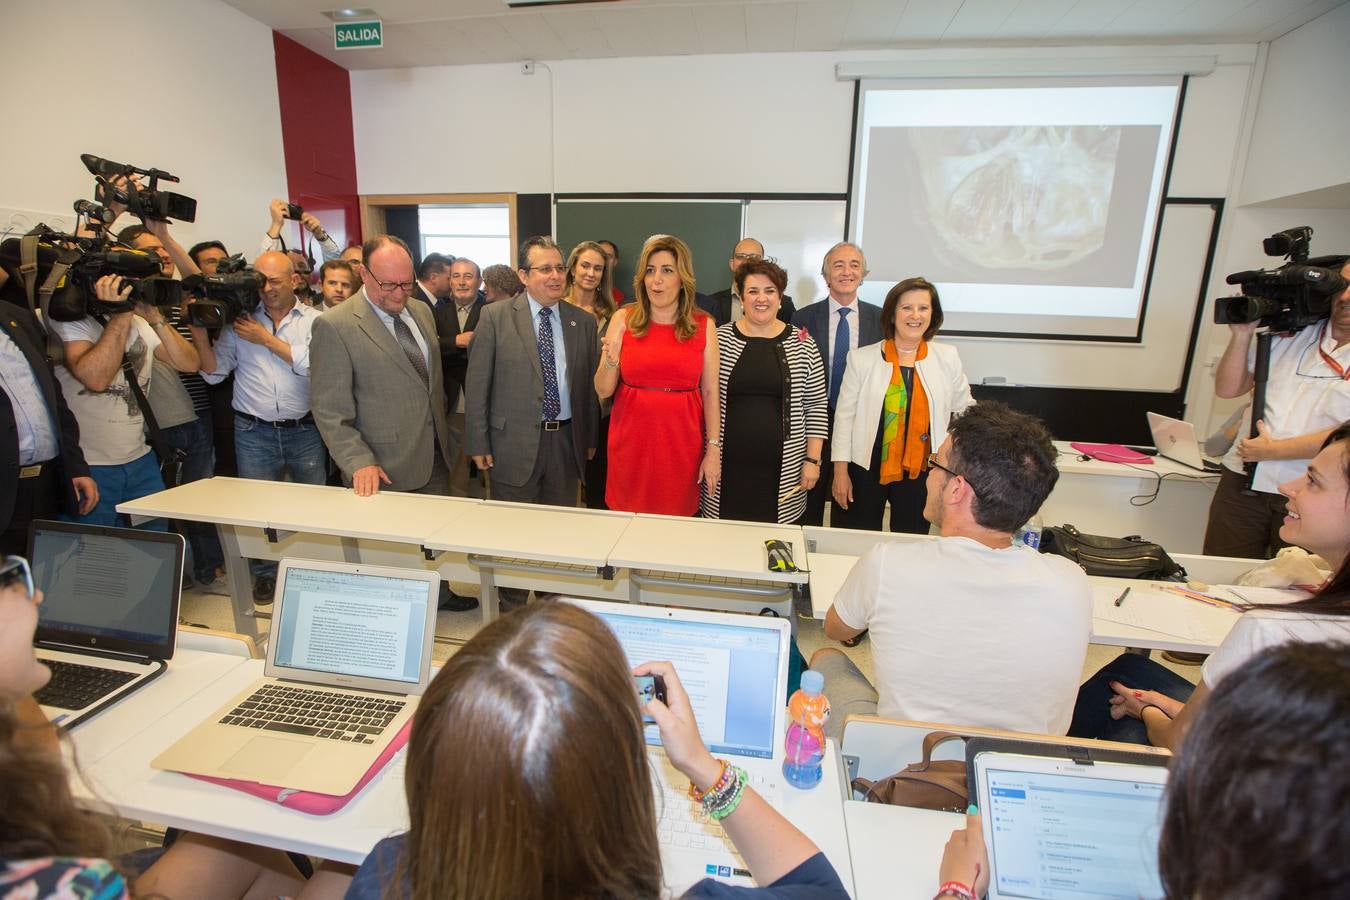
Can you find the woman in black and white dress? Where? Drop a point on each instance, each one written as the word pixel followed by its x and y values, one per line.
pixel 773 399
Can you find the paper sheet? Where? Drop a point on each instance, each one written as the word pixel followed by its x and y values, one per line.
pixel 1164 613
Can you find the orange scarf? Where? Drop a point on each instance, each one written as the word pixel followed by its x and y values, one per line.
pixel 903 452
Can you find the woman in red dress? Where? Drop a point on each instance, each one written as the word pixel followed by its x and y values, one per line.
pixel 659 362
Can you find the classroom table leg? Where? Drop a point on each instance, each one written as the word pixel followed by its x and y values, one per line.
pixel 241 584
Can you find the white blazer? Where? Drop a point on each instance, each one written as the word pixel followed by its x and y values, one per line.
pixel 866 376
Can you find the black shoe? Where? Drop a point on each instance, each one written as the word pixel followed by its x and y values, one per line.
pixel 455 602
pixel 264 589
pixel 856 639
pixel 510 599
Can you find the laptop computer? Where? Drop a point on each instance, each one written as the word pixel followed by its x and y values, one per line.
pixel 1176 440
pixel 348 657
pixel 1065 822
pixel 109 616
pixel 734 668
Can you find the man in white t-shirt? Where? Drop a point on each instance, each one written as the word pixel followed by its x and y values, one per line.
pixel 112 428
pixel 970 628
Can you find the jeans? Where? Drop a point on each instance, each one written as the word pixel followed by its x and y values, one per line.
pixel 194 439
pixel 129 481
pixel 1092 712
pixel 267 453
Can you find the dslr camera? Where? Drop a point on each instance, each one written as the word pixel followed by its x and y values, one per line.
pixel 89 260
pixel 145 202
pixel 225 295
pixel 1297 294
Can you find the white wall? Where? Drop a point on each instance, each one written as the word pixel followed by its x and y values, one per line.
pixel 1302 137
pixel 203 106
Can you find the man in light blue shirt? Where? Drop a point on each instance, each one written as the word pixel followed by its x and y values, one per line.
pixel 268 351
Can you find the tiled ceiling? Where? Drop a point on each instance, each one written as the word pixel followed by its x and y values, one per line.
pixel 458 32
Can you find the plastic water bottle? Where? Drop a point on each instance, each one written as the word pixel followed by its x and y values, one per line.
pixel 805 743
pixel 1030 533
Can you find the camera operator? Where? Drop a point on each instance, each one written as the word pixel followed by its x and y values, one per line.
pixel 207 255
pixel 1307 395
pixel 268 351
pixel 92 376
pixel 308 221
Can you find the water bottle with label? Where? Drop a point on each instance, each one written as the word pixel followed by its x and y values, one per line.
pixel 1030 533
pixel 805 741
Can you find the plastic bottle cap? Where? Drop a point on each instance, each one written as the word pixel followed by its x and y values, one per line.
pixel 812 681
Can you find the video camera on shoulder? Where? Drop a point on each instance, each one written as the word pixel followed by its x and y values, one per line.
pixel 145 202
pixel 225 295
pixel 1290 298
pixel 89 260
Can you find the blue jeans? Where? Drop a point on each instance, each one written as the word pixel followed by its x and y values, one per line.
pixel 194 439
pixel 268 453
pixel 1092 712
pixel 129 481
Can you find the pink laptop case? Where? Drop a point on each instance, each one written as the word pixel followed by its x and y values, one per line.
pixel 1116 453
pixel 308 801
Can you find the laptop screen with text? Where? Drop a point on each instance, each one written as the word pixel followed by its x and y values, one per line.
pixel 350 623
pixel 729 671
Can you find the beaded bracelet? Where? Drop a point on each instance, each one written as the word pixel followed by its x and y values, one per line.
pixel 955 889
pixel 720 782
pixel 722 793
pixel 727 805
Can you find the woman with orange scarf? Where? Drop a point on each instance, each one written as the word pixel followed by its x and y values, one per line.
pixel 895 401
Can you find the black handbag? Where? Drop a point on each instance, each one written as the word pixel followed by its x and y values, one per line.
pixel 1127 557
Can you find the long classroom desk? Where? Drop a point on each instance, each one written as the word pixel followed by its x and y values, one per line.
pixel 896 850
pixel 1148 618
pixel 123 779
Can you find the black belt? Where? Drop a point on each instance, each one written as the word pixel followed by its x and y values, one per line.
pixel 555 424
pixel 306 419
pixel 36 469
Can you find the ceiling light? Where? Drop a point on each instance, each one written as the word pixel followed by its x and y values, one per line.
pixel 343 15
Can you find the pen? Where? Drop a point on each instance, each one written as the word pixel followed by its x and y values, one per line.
pixel 1121 599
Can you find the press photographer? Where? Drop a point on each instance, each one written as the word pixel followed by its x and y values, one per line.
pixel 1305 307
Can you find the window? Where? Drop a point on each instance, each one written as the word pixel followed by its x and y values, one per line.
pixel 479 231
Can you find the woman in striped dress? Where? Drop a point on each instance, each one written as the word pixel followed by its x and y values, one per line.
pixel 773 402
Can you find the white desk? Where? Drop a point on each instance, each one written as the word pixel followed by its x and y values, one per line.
pixel 1094 496
pixel 895 850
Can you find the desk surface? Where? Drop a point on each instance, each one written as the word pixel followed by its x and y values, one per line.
pixel 1069 462
pixel 707 547
pixel 228 501
pixel 544 533
pixel 895 850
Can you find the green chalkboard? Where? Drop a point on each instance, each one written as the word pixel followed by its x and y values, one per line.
pixel 711 228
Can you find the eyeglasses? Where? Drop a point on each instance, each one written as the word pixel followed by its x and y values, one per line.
pixel 547 270
pixel 934 464
pixel 746 257
pixel 405 286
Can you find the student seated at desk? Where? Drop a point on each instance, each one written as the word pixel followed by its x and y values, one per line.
pixel 1255 802
pixel 1135 699
pixel 51 848
pixel 528 777
pixel 970 629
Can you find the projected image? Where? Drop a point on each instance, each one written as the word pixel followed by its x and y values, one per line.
pixel 1026 204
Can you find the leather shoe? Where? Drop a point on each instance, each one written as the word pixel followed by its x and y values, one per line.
pixel 455 602
pixel 264 589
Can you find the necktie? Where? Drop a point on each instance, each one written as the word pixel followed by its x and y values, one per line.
pixel 405 340
pixel 552 404
pixel 840 359
pixel 463 313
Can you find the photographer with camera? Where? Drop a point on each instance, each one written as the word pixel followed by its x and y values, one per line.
pixel 100 350
pixel 267 348
pixel 281 211
pixel 1307 395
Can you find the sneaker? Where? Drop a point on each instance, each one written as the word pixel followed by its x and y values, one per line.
pixel 264 589
pixel 455 602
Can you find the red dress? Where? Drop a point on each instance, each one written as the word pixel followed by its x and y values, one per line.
pixel 656 429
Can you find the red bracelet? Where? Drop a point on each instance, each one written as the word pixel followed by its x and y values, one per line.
pixel 955 889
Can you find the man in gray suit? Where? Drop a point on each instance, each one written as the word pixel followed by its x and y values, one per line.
pixel 532 415
pixel 376 382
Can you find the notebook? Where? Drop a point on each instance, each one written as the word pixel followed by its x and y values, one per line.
pixel 734 668
pixel 349 655
pixel 1176 440
pixel 109 617
pixel 1067 822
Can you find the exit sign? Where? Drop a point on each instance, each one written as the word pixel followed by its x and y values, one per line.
pixel 352 35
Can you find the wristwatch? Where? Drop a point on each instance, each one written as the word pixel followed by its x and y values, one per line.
pixel 814 462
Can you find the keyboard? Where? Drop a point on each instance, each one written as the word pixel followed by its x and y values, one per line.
pixel 355 718
pixel 683 823
pixel 75 686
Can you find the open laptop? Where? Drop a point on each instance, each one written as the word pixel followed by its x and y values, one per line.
pixel 1066 822
pixel 734 668
pixel 1176 440
pixel 349 655
pixel 109 617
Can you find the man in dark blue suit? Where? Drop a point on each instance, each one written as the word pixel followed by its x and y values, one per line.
pixel 839 323
pixel 725 306
pixel 42 471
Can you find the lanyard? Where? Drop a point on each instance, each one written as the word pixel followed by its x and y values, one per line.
pixel 1327 358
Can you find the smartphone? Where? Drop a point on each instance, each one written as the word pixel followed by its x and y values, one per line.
pixel 15 570
pixel 294 211
pixel 649 687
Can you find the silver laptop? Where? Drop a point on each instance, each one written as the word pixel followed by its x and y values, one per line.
pixel 734 668
pixel 349 654
pixel 1176 440
pixel 109 617
pixel 1068 822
